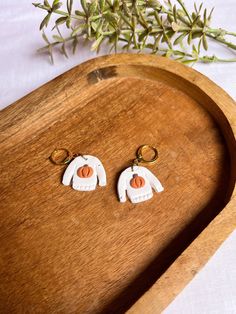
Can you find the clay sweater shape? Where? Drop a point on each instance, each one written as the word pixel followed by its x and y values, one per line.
pixel 138 183
pixel 85 172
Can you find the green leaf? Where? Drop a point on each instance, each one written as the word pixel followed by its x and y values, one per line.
pixel 125 37
pixel 180 12
pixel 196 34
pixel 116 5
pixel 133 23
pixel 102 4
pixel 45 21
pixel 36 4
pixel 75 31
pixel 169 53
pixel 68 22
pixel 196 20
pixel 155 4
pixel 109 3
pixel 194 52
pixel 92 7
pixel 189 61
pixel 46 3
pixel 170 18
pixel 204 41
pixel 63 49
pixel 205 17
pixel 179 53
pixel 189 40
pixel 75 43
pixel 58 38
pixel 200 7
pixel 61 20
pixel 143 35
pixel 156 43
pixel 166 39
pixel 50 54
pixel 94 26
pixel 179 39
pixel 149 46
pixel 179 59
pixel 175 27
pixel 210 15
pixel 69 4
pixel 158 19
pixel 125 19
pixel 114 40
pixel 99 27
pixel 111 18
pixel 199 45
pixel 84 6
pixel 45 38
pixel 193 15
pixel 126 8
pixel 142 20
pixel 125 47
pixel 185 11
pixel 170 34
pixel 80 13
pixel 97 43
pixel 175 13
pixel 56 6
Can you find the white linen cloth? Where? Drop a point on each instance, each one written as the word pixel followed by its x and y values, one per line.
pixel 22 70
pixel 213 289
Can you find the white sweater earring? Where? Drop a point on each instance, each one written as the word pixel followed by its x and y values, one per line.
pixel 137 182
pixel 85 171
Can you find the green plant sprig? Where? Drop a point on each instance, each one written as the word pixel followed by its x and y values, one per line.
pixel 167 29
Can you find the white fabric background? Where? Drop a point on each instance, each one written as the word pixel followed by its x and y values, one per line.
pixel 213 289
pixel 22 70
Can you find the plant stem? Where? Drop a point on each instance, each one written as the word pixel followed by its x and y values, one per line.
pixel 55 43
pixel 135 22
pixel 219 31
pixel 222 40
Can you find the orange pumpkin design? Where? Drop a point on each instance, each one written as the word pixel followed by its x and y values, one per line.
pixel 85 172
pixel 137 182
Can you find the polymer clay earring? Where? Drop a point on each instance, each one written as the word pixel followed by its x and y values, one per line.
pixel 85 171
pixel 138 182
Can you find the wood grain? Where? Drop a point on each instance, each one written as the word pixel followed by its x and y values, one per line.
pixel 64 251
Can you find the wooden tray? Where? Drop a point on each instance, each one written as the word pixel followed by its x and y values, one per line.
pixel 64 251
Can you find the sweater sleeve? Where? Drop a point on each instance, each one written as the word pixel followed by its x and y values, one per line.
pixel 102 179
pixel 155 183
pixel 122 187
pixel 68 174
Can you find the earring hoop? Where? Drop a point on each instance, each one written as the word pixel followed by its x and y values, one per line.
pixel 56 153
pixel 140 152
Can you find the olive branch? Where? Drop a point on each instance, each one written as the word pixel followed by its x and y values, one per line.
pixel 164 28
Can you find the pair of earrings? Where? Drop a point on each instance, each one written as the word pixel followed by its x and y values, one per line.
pixel 86 171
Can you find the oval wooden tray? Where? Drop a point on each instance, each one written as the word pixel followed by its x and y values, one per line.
pixel 64 251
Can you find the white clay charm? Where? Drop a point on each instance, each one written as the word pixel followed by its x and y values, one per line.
pixel 84 171
pixel 138 182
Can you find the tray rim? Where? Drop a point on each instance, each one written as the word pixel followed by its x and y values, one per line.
pixel 225 103
pixel 223 224
pixel 164 291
